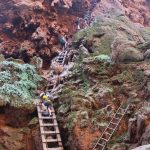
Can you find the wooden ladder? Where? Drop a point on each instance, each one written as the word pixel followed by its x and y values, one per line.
pixel 50 133
pixel 111 128
pixel 61 58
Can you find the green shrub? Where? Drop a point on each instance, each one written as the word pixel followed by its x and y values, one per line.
pixel 18 83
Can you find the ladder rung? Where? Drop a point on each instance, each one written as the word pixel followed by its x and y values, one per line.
pixel 49 132
pixel 47 117
pixel 104 139
pixel 50 140
pixel 48 125
pixel 110 128
pixel 100 144
pixel 117 118
pixel 118 113
pixel 108 133
pixel 113 123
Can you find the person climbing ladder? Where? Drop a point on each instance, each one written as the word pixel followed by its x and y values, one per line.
pixel 46 104
pixel 63 42
pixel 86 19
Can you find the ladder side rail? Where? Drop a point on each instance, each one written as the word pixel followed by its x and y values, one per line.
pixel 64 57
pixel 107 126
pixel 118 123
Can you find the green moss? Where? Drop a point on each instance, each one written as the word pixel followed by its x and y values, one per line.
pixel 72 118
pixel 103 44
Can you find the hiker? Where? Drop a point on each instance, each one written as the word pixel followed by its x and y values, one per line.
pixel 85 22
pixel 77 23
pixel 86 18
pixel 46 102
pixel 63 42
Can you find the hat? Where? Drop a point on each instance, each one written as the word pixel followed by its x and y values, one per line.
pixel 44 97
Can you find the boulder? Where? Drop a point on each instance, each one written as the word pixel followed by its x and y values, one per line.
pixel 83 50
pixel 131 55
pixel 147 54
pixel 125 50
pixel 135 128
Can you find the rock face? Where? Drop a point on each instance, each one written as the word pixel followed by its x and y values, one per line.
pixel 113 32
pixel 32 23
pixel 25 136
pixel 138 12
pixel 38 24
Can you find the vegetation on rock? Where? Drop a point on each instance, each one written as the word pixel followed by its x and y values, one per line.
pixel 18 83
